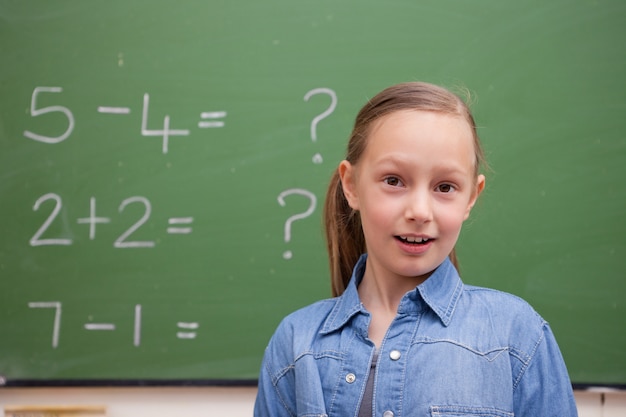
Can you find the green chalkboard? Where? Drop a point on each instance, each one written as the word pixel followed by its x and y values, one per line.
pixel 163 166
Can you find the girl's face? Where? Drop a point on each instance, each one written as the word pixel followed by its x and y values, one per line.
pixel 414 186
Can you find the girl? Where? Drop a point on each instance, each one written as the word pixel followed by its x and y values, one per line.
pixel 403 335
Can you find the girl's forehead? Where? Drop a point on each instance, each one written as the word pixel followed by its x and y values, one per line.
pixel 417 117
pixel 437 126
pixel 421 132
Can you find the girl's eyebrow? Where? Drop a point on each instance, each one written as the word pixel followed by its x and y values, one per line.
pixel 404 160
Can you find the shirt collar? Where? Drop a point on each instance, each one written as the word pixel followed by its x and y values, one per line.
pixel 440 292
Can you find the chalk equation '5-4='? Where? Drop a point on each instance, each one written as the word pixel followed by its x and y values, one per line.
pixel 208 119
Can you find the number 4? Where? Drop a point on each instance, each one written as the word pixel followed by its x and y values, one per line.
pixel 34 111
pixel 165 133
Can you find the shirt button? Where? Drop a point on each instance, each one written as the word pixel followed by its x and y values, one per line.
pixel 388 413
pixel 395 355
pixel 350 378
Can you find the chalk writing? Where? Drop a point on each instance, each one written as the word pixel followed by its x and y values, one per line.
pixel 312 203
pixel 137 328
pixel 35 240
pixel 99 326
pixel 317 158
pixel 35 112
pixel 56 328
pixel 210 119
pixel 124 240
pixel 179 221
pixel 121 241
pixel 165 133
pixel 213 123
pixel 93 220
pixel 186 330
pixel 187 326
pixel 114 110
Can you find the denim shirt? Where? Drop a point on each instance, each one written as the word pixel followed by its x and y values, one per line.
pixel 452 350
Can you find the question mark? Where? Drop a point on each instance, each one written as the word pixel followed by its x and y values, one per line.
pixel 281 200
pixel 317 158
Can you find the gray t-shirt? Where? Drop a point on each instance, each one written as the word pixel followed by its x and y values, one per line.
pixel 365 409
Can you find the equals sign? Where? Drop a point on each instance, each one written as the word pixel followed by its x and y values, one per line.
pixel 187 326
pixel 211 116
pixel 177 229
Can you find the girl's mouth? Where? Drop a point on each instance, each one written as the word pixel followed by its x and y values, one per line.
pixel 413 240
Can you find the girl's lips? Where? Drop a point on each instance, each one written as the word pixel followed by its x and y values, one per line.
pixel 413 244
pixel 414 239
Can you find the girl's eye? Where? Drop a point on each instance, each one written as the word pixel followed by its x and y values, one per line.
pixel 393 181
pixel 445 188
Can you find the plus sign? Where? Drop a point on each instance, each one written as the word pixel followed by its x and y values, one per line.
pixel 92 220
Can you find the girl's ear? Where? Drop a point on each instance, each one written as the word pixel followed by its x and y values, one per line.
pixel 347 176
pixel 480 186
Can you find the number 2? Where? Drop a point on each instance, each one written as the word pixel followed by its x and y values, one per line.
pixel 121 241
pixel 35 240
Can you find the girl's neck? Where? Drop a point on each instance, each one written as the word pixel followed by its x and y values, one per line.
pixel 381 295
pixel 382 292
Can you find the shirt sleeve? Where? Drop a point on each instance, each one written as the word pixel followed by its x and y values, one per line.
pixel 268 401
pixel 544 389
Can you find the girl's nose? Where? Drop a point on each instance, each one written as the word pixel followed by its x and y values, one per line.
pixel 419 207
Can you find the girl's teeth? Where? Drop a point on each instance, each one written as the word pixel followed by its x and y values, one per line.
pixel 414 239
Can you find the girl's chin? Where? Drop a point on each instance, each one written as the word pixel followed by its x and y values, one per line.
pixel 418 269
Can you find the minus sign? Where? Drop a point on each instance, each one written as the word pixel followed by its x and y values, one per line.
pixel 114 110
pixel 99 326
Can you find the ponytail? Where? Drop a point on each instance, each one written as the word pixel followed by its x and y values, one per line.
pixel 344 236
pixel 454 259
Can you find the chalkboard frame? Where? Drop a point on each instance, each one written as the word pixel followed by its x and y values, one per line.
pixel 233 383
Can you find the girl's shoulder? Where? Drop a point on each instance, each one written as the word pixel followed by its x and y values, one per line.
pixel 499 301
pixel 308 319
pixel 510 315
pixel 297 332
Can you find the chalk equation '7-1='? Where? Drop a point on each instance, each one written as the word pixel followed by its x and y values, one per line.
pixel 185 330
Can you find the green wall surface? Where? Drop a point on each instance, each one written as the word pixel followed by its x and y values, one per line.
pixel 163 167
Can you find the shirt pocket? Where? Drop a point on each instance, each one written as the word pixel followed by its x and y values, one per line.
pixel 461 411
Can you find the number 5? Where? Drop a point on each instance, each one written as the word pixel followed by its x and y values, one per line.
pixel 34 111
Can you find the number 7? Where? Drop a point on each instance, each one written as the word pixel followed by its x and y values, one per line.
pixel 34 111
pixel 57 318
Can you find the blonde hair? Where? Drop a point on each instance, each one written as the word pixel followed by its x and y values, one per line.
pixel 344 235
